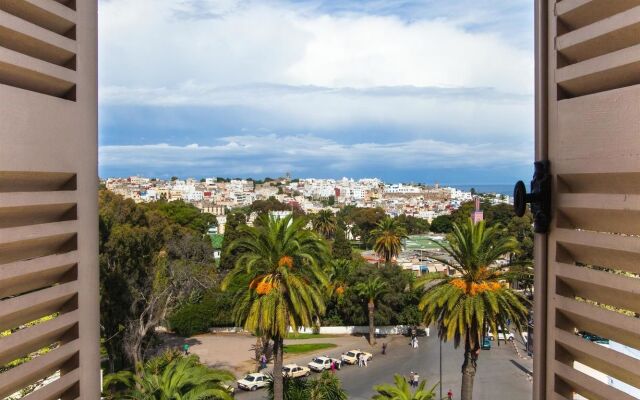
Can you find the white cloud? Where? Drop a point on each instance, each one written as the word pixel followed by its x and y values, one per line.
pixel 240 155
pixel 151 43
pixel 311 68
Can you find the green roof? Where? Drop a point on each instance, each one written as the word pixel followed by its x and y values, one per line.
pixel 216 240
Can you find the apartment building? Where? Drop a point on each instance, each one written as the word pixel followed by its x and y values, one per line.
pixel 48 198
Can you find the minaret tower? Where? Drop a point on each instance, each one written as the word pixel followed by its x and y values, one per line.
pixel 477 215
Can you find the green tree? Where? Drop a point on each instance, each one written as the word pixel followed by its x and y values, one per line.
pixel 441 224
pixel 371 290
pixel 388 236
pixel 232 232
pixel 462 306
pixel 326 387
pixel 324 222
pixel 281 261
pixel 184 214
pixel 413 225
pixel 338 271
pixel 341 246
pixel 401 390
pixel 169 377
pixel 148 265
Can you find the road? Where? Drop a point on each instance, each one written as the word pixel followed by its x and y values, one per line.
pixel 501 373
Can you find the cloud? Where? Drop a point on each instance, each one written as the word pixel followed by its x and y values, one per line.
pixel 274 154
pixel 432 75
pixel 286 43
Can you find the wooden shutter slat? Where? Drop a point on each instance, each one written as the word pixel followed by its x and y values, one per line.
pixel 587 386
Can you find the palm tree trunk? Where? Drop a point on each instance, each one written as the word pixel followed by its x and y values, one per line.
pixel 278 353
pixel 372 332
pixel 469 367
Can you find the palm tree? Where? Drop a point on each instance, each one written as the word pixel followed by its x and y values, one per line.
pixel 281 261
pixel 371 290
pixel 388 235
pixel 337 274
pixel 172 377
pixel 326 387
pixel 402 391
pixel 325 223
pixel 462 306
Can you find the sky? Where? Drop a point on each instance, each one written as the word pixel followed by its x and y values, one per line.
pixel 427 91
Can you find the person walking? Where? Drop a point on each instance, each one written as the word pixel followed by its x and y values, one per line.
pixel 416 379
pixel 416 344
pixel 411 377
pixel 185 348
pixel 384 348
pixel 263 361
pixel 450 395
pixel 364 361
pixel 359 357
pixel 333 367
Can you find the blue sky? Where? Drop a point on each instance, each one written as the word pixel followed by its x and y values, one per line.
pixel 431 90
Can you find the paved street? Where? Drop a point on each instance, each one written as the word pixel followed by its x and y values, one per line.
pixel 501 373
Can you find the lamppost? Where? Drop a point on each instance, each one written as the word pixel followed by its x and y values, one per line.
pixel 440 340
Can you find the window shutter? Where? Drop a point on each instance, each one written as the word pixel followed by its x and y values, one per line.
pixel 588 266
pixel 49 306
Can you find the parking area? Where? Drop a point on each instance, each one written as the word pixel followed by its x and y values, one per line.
pixel 502 372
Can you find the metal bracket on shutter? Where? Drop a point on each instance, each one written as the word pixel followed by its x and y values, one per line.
pixel 540 197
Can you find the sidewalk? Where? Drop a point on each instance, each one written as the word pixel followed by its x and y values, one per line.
pixel 234 351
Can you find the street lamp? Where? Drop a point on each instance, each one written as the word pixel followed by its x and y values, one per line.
pixel 440 340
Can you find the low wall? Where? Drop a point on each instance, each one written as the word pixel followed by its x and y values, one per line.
pixel 334 330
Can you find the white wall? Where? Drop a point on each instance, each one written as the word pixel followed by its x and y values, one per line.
pixel 334 330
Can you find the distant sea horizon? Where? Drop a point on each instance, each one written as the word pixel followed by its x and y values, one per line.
pixel 500 188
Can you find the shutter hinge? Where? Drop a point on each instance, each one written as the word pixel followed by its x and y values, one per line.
pixel 540 197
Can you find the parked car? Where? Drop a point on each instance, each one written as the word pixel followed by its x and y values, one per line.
pixel 594 338
pixel 502 335
pixel 253 381
pixel 295 371
pixel 486 343
pixel 319 364
pixel 351 356
pixel 230 389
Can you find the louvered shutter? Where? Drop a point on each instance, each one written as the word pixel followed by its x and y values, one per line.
pixel 588 266
pixel 49 307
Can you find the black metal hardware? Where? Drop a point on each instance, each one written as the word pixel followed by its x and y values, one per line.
pixel 540 197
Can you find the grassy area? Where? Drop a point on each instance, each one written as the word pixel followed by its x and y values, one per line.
pixel 309 336
pixel 305 348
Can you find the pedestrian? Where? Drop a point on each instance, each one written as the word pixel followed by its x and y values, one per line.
pixel 333 367
pixel 450 395
pixel 428 331
pixel 416 343
pixel 411 377
pixel 384 348
pixel 364 361
pixel 416 379
pixel 263 361
pixel 185 348
pixel 359 358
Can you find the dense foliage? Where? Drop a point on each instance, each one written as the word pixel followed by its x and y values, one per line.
pixel 149 264
pixel 231 233
pixel 326 387
pixel 212 311
pixel 401 390
pixel 170 376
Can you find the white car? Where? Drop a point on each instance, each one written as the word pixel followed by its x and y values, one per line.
pixel 253 381
pixel 295 371
pixel 502 335
pixel 351 356
pixel 230 389
pixel 319 364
